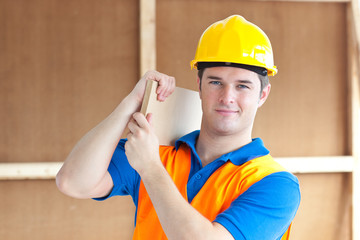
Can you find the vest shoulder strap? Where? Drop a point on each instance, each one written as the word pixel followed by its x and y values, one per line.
pixel 229 182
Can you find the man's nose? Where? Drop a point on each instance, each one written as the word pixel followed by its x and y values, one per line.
pixel 227 95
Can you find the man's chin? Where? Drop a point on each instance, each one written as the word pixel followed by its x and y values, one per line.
pixel 225 131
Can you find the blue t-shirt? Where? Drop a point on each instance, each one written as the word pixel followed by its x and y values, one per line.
pixel 264 211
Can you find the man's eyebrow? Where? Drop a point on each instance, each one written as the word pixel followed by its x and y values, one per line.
pixel 245 81
pixel 214 77
pixel 239 81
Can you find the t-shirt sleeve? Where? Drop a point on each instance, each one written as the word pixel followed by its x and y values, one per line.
pixel 265 210
pixel 126 180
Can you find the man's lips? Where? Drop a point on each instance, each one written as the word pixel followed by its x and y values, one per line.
pixel 226 112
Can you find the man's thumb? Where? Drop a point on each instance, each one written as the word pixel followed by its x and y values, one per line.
pixel 149 118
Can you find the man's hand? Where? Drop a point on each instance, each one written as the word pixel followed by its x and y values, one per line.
pixel 142 147
pixel 165 88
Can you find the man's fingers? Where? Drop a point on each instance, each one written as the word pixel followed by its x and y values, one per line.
pixel 166 83
pixel 166 86
pixel 169 89
pixel 140 120
pixel 132 126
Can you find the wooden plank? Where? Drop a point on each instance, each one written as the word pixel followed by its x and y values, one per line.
pixel 147 36
pixel 178 115
pixel 356 169
pixel 354 110
pixel 48 170
pixel 331 164
pixel 22 171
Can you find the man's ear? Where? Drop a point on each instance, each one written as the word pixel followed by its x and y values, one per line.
pixel 199 85
pixel 264 95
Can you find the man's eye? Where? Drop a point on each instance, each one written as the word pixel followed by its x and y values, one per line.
pixel 242 86
pixel 215 82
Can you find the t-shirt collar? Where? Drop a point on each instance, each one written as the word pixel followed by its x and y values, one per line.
pixel 252 150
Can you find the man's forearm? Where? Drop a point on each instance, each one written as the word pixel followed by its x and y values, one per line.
pixel 87 164
pixel 84 173
pixel 178 218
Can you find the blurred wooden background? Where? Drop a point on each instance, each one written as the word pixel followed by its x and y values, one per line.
pixel 65 65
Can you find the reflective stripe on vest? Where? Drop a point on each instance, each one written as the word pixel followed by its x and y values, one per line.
pixel 220 190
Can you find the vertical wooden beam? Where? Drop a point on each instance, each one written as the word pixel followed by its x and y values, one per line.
pixel 355 7
pixel 354 90
pixel 356 148
pixel 356 154
pixel 147 35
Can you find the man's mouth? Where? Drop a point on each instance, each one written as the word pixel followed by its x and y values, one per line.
pixel 226 112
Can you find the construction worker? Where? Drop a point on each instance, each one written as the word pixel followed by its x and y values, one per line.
pixel 216 183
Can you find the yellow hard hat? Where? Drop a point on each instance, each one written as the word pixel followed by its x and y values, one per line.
pixel 234 40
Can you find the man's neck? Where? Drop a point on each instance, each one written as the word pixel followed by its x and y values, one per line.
pixel 210 147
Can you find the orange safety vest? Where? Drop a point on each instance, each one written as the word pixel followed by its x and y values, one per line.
pixel 211 200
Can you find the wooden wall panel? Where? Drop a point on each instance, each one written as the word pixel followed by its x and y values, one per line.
pixel 306 112
pixel 64 65
pixel 37 210
pixel 324 211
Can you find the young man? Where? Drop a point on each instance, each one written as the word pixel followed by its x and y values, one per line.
pixel 216 183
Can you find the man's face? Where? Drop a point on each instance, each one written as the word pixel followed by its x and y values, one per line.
pixel 230 99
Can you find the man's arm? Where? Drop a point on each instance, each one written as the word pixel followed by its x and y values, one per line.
pixel 178 218
pixel 84 173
